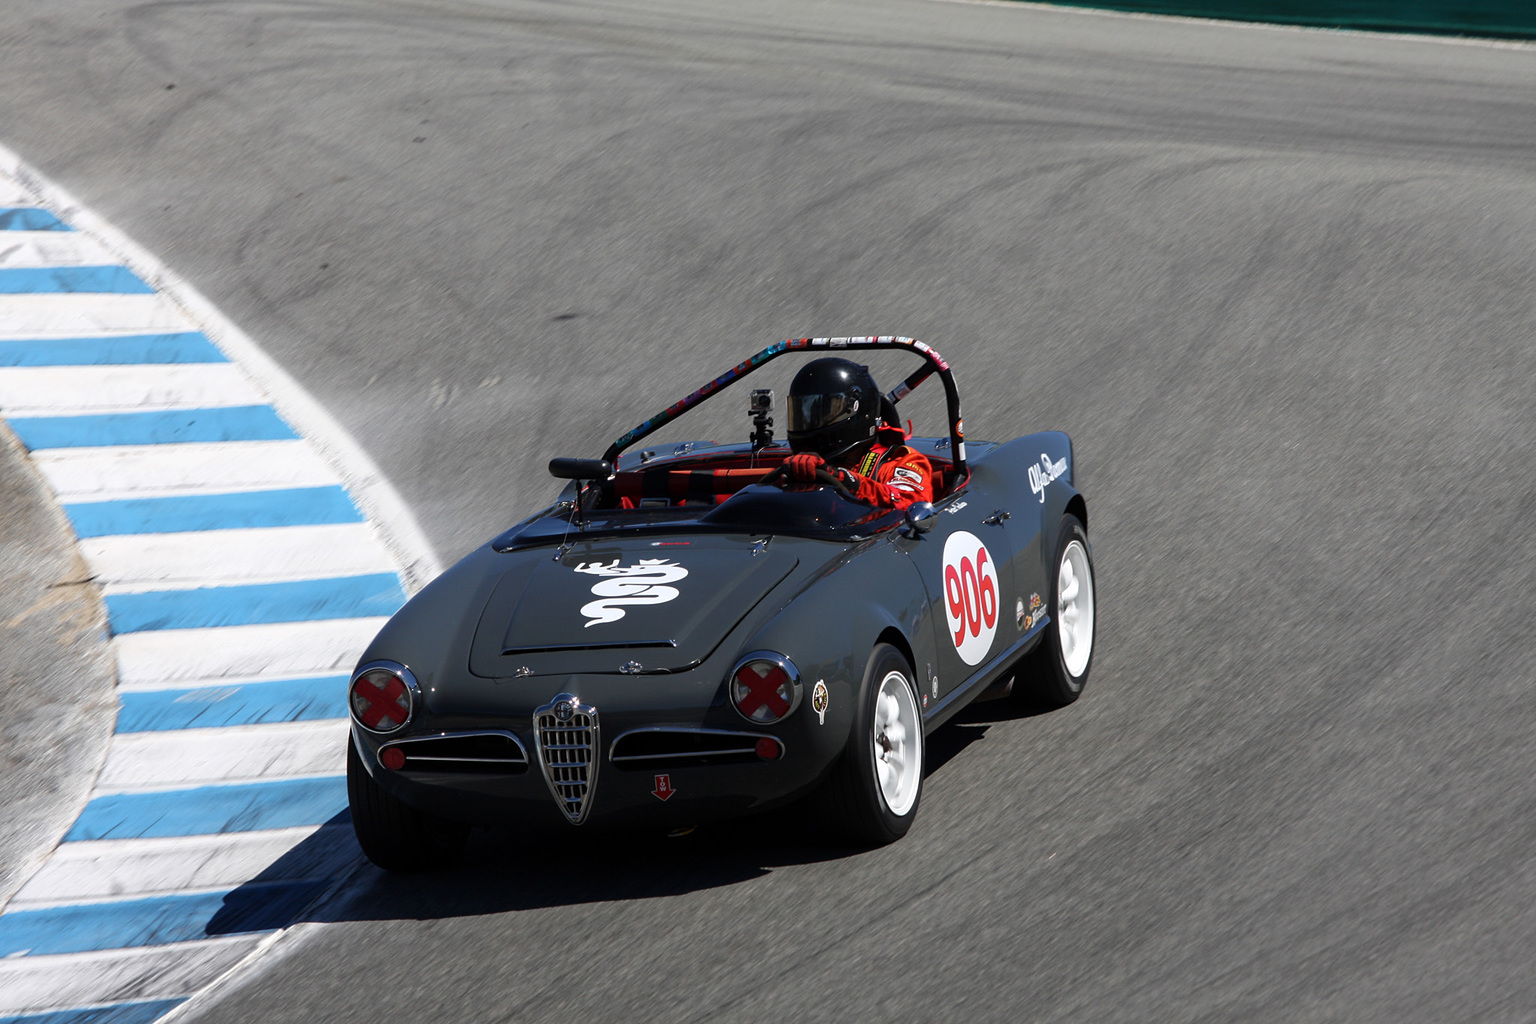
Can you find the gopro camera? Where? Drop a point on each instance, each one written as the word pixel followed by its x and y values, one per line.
pixel 759 407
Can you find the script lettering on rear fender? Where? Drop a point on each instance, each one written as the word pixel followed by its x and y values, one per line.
pixel 1044 474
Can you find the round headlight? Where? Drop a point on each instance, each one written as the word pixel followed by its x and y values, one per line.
pixel 382 696
pixel 765 687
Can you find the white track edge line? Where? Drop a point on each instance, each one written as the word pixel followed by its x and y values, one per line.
pixel 104 987
pixel 372 491
pixel 293 932
pixel 176 1013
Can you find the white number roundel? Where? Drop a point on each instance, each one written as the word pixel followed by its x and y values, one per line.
pixel 970 596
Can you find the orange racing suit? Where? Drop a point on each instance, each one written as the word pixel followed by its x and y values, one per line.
pixel 889 475
pixel 901 476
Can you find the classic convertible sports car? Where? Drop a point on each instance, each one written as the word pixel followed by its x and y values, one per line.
pixel 686 636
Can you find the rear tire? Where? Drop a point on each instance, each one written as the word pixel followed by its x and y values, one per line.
pixel 394 835
pixel 872 795
pixel 1054 673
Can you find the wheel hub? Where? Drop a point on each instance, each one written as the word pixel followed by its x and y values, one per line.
pixel 897 744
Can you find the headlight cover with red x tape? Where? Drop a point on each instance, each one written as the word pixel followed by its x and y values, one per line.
pixel 383 696
pixel 765 687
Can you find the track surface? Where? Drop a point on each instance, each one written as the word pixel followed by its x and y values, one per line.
pixel 1277 286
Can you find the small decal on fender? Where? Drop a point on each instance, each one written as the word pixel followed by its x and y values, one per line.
pixel 819 702
pixel 1035 611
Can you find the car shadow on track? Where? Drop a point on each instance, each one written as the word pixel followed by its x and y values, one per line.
pixel 504 870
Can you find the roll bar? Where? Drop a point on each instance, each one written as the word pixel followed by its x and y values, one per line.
pixel 936 364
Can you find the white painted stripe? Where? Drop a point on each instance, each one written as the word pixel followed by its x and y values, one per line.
pixel 157 470
pixel 102 869
pixel 12 194
pixel 34 984
pixel 184 758
pixel 221 557
pixel 51 249
pixel 89 872
pixel 156 659
pixel 72 315
pixel 86 390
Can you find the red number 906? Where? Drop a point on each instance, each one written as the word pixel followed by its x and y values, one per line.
pixel 972 596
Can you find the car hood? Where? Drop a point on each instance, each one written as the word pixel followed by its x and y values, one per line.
pixel 635 604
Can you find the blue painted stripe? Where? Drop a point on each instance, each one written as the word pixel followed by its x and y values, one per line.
pixel 118 1013
pixel 207 810
pixel 208 707
pixel 76 280
pixel 30 218
pixel 249 604
pixel 156 920
pixel 163 426
pixel 299 506
pixel 189 347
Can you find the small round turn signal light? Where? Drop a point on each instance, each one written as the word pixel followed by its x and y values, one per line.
pixel 392 758
pixel 769 749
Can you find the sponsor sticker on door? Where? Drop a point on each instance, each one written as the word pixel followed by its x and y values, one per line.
pixel 970 596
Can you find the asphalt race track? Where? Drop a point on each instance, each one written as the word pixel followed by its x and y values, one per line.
pixel 1278 285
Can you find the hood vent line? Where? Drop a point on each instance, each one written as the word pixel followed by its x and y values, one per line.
pixel 616 645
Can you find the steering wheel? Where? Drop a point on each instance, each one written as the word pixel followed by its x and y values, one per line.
pixel 780 477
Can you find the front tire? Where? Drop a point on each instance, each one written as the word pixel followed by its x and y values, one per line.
pixel 394 835
pixel 876 784
pixel 1057 669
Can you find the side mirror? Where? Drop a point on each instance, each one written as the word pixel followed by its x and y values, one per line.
pixel 922 516
pixel 580 469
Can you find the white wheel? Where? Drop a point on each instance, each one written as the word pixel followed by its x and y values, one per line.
pixel 1052 675
pixel 1074 605
pixel 897 744
pixel 876 784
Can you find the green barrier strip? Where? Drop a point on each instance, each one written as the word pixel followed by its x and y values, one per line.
pixel 1508 19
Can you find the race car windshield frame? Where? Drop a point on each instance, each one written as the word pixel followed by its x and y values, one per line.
pixel 756 509
pixel 935 362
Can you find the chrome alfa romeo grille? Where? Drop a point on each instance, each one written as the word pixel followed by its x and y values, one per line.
pixel 566 733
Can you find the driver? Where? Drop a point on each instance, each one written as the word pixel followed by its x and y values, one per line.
pixel 834 424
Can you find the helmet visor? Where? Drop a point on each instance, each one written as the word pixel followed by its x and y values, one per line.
pixel 812 412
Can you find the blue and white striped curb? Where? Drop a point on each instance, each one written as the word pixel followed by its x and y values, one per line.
pixel 247 550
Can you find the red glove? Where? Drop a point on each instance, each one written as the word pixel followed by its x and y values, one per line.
pixel 802 468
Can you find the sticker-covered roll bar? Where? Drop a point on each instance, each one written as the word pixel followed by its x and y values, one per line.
pixel 936 364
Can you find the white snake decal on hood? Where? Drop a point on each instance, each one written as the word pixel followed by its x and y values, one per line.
pixel 646 582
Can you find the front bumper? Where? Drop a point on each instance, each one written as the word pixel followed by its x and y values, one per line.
pixel 640 774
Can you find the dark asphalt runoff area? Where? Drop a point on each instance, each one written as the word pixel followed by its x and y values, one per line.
pixel 1278 286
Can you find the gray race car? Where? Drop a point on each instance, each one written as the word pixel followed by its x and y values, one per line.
pixel 681 637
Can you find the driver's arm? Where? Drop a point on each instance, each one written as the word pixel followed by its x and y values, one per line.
pixel 897 483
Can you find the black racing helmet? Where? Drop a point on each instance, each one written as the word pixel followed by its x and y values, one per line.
pixel 834 406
